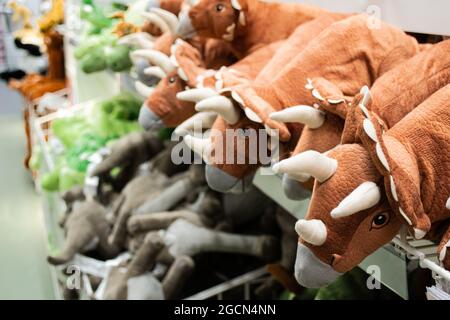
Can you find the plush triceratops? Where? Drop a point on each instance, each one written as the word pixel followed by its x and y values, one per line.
pixel 396 177
pixel 246 24
pixel 168 105
pixel 347 61
pixel 392 96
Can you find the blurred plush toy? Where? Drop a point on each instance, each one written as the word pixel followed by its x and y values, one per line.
pixel 27 35
pixel 53 17
pixel 86 228
pixel 101 52
pixel 84 134
pixel 34 86
pixel 96 18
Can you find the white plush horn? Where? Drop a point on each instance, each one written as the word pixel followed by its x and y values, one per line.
pixel 307 115
pixel 155 57
pixel 310 162
pixel 200 146
pixel 236 5
pixel 312 231
pixel 365 91
pixel 222 106
pixel 157 20
pixel 196 95
pixel 364 197
pixel 143 89
pixel 155 71
pixel 201 120
pixel 168 17
pixel 141 39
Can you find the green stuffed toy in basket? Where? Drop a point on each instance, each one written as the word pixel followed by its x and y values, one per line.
pixel 85 133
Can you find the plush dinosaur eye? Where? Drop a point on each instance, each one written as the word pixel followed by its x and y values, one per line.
pixel 219 7
pixel 172 80
pixel 380 220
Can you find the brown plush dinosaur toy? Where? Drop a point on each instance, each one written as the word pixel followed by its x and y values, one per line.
pixel 245 24
pixel 393 95
pixel 348 60
pixel 186 69
pixel 392 183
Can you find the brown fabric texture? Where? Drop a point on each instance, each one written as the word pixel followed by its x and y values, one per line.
pixel 401 89
pixel 173 6
pixel 416 152
pixel 348 53
pixel 291 47
pixel 265 22
pixel 295 43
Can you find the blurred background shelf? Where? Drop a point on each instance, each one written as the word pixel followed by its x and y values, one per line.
pixel 419 16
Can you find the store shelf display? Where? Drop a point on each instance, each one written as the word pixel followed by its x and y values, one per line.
pixel 291 163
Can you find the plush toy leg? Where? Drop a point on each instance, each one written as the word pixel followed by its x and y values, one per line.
pixel 119 231
pixel 159 220
pixel 263 247
pixel 168 198
pixel 177 276
pixel 184 238
pixel 116 284
pixel 444 250
pixel 75 242
pixel 145 257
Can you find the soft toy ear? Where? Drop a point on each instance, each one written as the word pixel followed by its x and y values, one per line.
pixel 398 165
pixel 257 103
pixel 188 61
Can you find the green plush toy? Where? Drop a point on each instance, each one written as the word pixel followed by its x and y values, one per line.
pixel 102 52
pixel 95 16
pixel 98 49
pixel 118 58
pixel 95 61
pixel 85 133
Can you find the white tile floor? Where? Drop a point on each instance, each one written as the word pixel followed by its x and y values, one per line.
pixel 24 273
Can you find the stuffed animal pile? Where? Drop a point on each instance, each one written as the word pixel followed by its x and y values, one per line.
pixel 354 114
